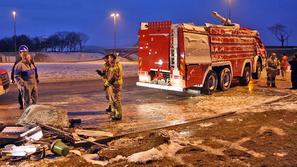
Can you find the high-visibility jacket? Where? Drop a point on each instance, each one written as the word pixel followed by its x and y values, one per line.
pixel 115 74
pixel 105 70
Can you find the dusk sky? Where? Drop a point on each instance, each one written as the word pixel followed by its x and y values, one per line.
pixel 92 17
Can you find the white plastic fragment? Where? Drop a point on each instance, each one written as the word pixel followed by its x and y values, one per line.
pixel 33 134
pixel 19 151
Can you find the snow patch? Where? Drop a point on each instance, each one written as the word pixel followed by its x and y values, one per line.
pixel 204 125
pixel 280 154
pixel 163 151
pixel 275 130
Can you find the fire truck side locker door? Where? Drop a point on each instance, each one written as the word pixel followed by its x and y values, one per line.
pixel 197 57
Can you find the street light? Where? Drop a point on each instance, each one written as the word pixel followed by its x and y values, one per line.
pixel 115 16
pixel 14 27
pixel 229 10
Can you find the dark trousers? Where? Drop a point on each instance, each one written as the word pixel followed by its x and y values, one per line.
pixel 20 99
pixel 271 75
pixel 294 80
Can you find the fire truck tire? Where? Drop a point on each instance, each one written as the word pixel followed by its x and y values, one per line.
pixel 257 74
pixel 210 83
pixel 225 79
pixel 246 77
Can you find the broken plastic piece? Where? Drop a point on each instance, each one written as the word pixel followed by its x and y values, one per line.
pixel 14 130
pixel 33 134
pixel 19 151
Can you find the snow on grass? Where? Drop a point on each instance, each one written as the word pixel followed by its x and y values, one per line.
pixel 61 72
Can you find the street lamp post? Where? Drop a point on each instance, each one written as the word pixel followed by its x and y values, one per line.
pixel 14 28
pixel 115 15
pixel 229 9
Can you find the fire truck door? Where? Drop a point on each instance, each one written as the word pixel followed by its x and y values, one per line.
pixel 159 51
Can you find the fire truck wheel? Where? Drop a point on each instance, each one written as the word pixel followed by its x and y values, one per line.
pixel 225 79
pixel 210 83
pixel 257 74
pixel 246 77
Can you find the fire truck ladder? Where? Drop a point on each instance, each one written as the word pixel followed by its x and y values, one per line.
pixel 173 53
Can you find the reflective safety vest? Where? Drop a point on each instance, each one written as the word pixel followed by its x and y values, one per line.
pixel 118 73
pixel 105 70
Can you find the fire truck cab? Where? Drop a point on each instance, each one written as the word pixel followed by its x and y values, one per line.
pixel 181 57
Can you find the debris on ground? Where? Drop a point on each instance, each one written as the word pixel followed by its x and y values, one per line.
pixel 43 114
pixel 38 138
pixel 18 151
pixel 33 134
pixel 59 148
pixel 14 130
pixel 92 133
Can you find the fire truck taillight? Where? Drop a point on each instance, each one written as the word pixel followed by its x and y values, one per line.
pixel 160 62
pixel 144 76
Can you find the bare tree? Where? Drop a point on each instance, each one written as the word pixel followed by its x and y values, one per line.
pixel 280 32
pixel 83 38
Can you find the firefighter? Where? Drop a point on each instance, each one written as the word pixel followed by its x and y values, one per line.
pixel 293 64
pixel 22 49
pixel 284 66
pixel 114 84
pixel 103 74
pixel 25 77
pixel 272 66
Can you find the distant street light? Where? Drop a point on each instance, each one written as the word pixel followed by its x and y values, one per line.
pixel 14 28
pixel 229 10
pixel 115 16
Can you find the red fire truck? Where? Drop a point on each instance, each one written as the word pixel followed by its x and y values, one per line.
pixel 4 82
pixel 183 57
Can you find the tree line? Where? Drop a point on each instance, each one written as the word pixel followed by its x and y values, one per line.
pixel 58 42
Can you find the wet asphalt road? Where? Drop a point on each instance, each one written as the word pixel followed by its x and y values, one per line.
pixel 79 96
pixel 144 108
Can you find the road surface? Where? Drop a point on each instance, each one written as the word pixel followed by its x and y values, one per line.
pixel 143 108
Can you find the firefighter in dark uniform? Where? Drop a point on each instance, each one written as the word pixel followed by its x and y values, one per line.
pixel 114 84
pixel 25 77
pixel 23 49
pixel 272 66
pixel 103 74
pixel 293 64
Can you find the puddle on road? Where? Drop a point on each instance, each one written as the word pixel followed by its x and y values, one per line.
pixel 85 113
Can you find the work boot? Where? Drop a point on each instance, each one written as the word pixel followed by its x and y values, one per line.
pixel 21 107
pixel 114 118
pixel 273 85
pixel 108 109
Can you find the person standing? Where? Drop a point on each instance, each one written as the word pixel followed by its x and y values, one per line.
pixel 114 83
pixel 284 66
pixel 25 77
pixel 23 49
pixel 272 65
pixel 103 74
pixel 293 64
